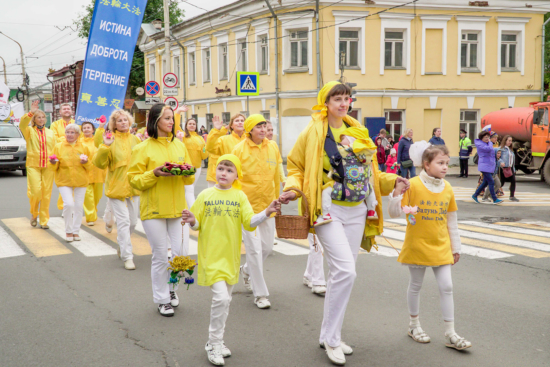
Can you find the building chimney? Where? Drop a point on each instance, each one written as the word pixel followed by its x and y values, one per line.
pixel 157 23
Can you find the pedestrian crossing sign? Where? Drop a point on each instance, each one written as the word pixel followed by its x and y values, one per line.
pixel 248 83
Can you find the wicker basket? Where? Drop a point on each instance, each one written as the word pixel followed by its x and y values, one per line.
pixel 294 226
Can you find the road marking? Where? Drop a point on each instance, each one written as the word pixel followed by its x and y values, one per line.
pixel 39 241
pixel 383 250
pixel 534 242
pixel 8 247
pixel 530 232
pixel 541 226
pixel 526 198
pixel 140 245
pixel 89 245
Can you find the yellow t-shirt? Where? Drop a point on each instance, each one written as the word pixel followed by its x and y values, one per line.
pixel 427 240
pixel 221 215
pixel 326 164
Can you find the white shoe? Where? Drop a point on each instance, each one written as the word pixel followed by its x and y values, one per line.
pixel 129 265
pixel 215 355
pixel 69 239
pixel 336 355
pixel 166 310
pixel 246 279
pixel 346 349
pixel 225 351
pixel 456 342
pixel 174 299
pixel 321 290
pixel 262 302
pixel 76 237
pixel 322 219
pixel 307 282
pixel 109 229
pixel 91 224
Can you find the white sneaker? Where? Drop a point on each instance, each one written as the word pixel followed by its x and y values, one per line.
pixel 346 349
pixel 69 239
pixel 91 224
pixel 129 265
pixel 174 299
pixel 336 355
pixel 322 219
pixel 307 282
pixel 225 351
pixel 246 279
pixel 109 229
pixel 76 237
pixel 215 355
pixel 262 302
pixel 319 289
pixel 166 310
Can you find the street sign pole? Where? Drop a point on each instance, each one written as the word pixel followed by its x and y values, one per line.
pixel 247 106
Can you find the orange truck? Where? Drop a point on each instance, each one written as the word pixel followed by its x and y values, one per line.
pixel 529 129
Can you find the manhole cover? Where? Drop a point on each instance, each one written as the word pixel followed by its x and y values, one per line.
pixel 499 219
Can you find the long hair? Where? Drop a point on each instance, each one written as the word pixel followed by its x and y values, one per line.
pixel 155 114
pixel 115 115
pixel 504 140
pixel 33 124
pixel 187 133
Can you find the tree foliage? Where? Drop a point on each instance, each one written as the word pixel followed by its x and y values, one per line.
pixel 154 10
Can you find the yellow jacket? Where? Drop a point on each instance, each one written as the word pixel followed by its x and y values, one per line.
pixel 40 144
pixel 58 128
pixel 305 172
pixel 260 166
pixel 116 158
pixel 68 169
pixel 161 197
pixel 196 147
pixel 219 143
pixel 95 175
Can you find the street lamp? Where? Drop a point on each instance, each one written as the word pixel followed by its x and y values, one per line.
pixel 22 67
pixel 5 75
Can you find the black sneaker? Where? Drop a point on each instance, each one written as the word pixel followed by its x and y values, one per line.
pixel 166 310
pixel 514 199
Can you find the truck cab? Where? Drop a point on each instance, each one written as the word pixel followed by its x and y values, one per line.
pixel 540 141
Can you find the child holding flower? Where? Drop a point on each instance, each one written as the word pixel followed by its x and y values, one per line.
pixel 431 239
pixel 219 214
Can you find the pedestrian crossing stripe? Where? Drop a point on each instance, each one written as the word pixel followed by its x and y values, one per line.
pixel 525 198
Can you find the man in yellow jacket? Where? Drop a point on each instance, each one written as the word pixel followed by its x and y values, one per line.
pixel 260 161
pixel 58 128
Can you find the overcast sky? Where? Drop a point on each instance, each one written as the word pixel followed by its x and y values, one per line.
pixel 33 23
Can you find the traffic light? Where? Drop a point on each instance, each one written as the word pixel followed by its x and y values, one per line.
pixel 353 93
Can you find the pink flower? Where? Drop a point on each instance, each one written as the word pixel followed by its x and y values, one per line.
pixel 83 157
pixel 410 209
pixel 102 119
pixel 53 157
pixel 179 135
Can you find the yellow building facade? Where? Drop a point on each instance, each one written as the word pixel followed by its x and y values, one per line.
pixel 423 65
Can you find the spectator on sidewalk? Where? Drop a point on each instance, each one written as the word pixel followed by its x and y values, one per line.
pixel 384 141
pixel 498 185
pixel 436 137
pixel 380 155
pixel 464 151
pixel 507 164
pixel 406 165
pixel 486 165
pixel 391 162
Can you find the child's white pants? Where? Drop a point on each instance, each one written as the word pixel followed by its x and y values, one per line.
pixel 126 213
pixel 221 298
pixel 341 240
pixel 445 284
pixel 190 189
pixel 162 233
pixel 73 207
pixel 259 245
pixel 314 269
pixel 108 216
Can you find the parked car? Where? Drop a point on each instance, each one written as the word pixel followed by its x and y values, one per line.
pixel 13 149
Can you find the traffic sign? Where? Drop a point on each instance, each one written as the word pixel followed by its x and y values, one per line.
pixel 172 102
pixel 170 91
pixel 152 88
pixel 140 91
pixel 248 83
pixel 170 80
pixel 152 100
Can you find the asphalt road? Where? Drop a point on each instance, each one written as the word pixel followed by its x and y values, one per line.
pixel 70 309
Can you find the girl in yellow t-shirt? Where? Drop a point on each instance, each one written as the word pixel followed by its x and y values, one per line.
pixel 431 240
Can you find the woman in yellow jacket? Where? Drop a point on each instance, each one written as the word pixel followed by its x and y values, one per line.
pixel 219 143
pixel 349 229
pixel 115 154
pixel 162 200
pixel 260 160
pixel 72 166
pixel 40 144
pixel 96 176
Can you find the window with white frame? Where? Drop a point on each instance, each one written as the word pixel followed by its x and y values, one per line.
pixel 177 67
pixel 226 117
pixel 394 123
pixel 469 51
pixel 298 48
pixel 209 123
pixel 266 115
pixel 206 65
pixel 509 51
pixel 349 46
pixel 264 54
pixel 393 46
pixel 152 71
pixel 192 68
pixel 241 49
pixel 223 61
pixel 468 122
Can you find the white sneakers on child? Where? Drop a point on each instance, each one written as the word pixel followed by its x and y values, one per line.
pixel 371 214
pixel 319 290
pixel 246 279
pixel 322 219
pixel 225 351
pixel 215 355
pixel 166 310
pixel 174 299
pixel 91 224
pixel 129 265
pixel 262 302
pixel 456 342
pixel 307 282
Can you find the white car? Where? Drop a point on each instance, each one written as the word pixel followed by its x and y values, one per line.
pixel 13 149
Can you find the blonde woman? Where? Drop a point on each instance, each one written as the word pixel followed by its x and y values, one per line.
pixel 115 154
pixel 40 144
pixel 404 161
pixel 96 177
pixel 196 147
pixel 72 168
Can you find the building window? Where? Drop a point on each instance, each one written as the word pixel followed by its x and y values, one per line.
pixel 349 45
pixel 196 118
pixel 469 51
pixel 226 117
pixel 468 122
pixel 394 123
pixel 241 44
pixel 177 68
pixel 508 52
pixel 209 124
pixel 264 55
pixel 192 68
pixel 298 49
pixel 206 65
pixel 223 61
pixel 266 115
pixel 394 45
pixel 152 75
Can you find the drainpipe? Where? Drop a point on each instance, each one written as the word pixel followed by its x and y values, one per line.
pixel 183 74
pixel 277 76
pixel 318 50
pixel 543 54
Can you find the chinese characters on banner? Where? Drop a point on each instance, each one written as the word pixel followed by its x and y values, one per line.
pixel 113 35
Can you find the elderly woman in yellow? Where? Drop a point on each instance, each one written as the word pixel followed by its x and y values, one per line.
pixel 219 143
pixel 162 199
pixel 260 161
pixel 308 163
pixel 115 154
pixel 71 167
pixel 96 176
pixel 40 144
pixel 58 128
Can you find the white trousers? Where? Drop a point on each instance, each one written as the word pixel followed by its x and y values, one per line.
pixel 341 240
pixel 126 219
pixel 259 245
pixel 108 216
pixel 162 233
pixel 314 269
pixel 221 298
pixel 73 207
pixel 445 284
pixel 190 189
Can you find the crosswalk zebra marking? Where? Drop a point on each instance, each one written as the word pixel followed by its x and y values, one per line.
pixel 531 232
pixel 89 245
pixel 8 247
pixel 140 245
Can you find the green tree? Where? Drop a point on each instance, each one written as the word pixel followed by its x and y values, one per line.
pixel 154 10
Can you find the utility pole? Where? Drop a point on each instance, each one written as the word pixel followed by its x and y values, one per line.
pixel 167 36
pixel 317 46
pixel 276 38
pixel 24 75
pixel 5 75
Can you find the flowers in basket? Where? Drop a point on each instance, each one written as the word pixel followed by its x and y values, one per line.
pixel 179 169
pixel 53 157
pixel 179 267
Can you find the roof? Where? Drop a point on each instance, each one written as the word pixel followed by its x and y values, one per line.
pixel 150 29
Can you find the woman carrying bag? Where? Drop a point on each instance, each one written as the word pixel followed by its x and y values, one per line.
pixel 508 166
pixel 404 161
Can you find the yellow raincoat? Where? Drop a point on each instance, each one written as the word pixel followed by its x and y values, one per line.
pixel 96 178
pixel 196 147
pixel 68 169
pixel 219 143
pixel 58 128
pixel 96 175
pixel 161 197
pixel 116 158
